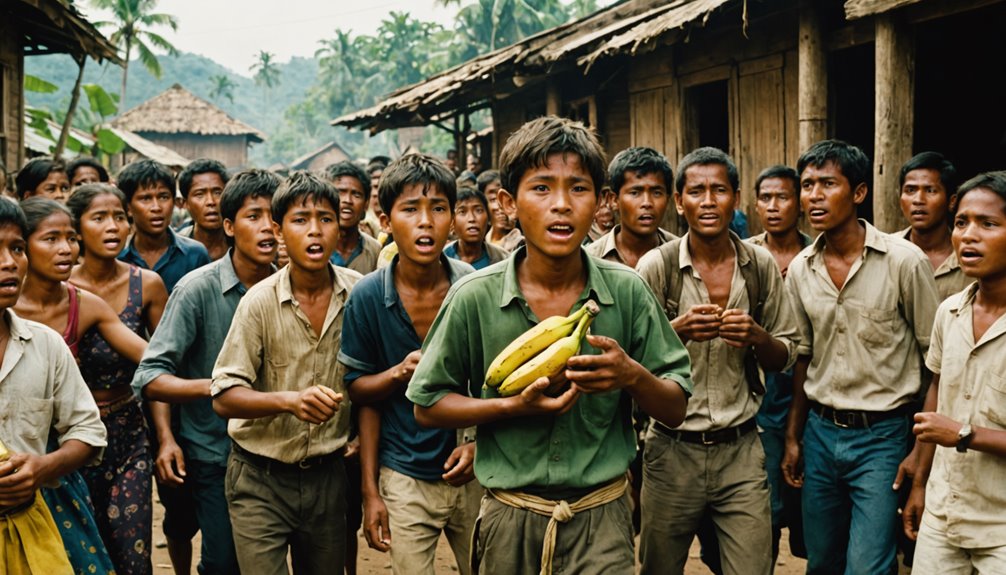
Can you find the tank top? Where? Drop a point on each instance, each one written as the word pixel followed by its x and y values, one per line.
pixel 100 365
pixel 72 321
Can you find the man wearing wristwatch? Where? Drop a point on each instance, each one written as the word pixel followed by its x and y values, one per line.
pixel 957 507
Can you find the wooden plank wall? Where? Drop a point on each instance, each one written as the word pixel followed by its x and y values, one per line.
pixel 11 98
pixel 232 151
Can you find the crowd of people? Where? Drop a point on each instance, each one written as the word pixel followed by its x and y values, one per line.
pixel 297 358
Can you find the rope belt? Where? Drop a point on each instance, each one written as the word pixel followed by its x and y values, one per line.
pixel 559 511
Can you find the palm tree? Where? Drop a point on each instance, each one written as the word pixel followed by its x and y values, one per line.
pixel 266 72
pixel 222 87
pixel 132 20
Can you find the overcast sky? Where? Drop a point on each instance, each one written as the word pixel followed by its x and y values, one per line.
pixel 232 33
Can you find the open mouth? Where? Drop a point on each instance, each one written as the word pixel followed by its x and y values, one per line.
pixel 561 230
pixel 425 243
pixel 709 218
pixel 646 219
pixel 315 251
pixel 9 285
pixel 267 245
pixel 969 255
pixel 157 222
pixel 817 213
pixel 112 243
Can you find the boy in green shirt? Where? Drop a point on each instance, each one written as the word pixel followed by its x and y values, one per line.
pixel 538 455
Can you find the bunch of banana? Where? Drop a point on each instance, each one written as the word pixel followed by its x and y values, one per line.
pixel 541 351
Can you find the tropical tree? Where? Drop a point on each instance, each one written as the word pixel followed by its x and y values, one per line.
pixel 266 72
pixel 221 86
pixel 132 22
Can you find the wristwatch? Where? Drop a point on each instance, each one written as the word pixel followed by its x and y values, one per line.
pixel 964 437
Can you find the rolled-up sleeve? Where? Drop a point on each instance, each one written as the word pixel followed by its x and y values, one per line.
pixel 446 365
pixel 241 355
pixel 171 340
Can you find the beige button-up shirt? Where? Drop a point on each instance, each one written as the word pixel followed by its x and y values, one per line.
pixel 604 247
pixel 950 278
pixel 41 390
pixel 965 498
pixel 721 397
pixel 868 341
pixel 272 347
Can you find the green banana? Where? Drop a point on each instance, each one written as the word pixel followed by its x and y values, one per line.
pixel 551 361
pixel 531 342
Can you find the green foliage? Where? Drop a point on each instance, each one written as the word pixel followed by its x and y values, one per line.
pixel 131 28
pixel 222 87
pixel 101 102
pixel 36 84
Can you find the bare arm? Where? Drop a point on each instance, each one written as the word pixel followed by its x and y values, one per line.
pixel 376 528
pixel 156 296
pixel 174 389
pixel 795 423
pixel 24 473
pixel 316 404
pixel 95 312
pixel 369 389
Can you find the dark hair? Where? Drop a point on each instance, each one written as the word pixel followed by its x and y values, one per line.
pixel 196 167
pixel 704 157
pixel 419 169
pixel 89 162
pixel 641 161
pixel 37 209
pixel 144 174
pixel 992 181
pixel 850 159
pixel 11 214
pixel 466 193
pixel 485 178
pixel 781 172
pixel 467 178
pixel 35 172
pixel 81 198
pixel 246 184
pixel 347 168
pixel 377 163
pixel 530 146
pixel 931 161
pixel 302 186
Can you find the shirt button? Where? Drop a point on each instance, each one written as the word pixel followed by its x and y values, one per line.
pixel 555 458
pixel 967 396
pixel 839 301
pixel 841 352
pixel 841 329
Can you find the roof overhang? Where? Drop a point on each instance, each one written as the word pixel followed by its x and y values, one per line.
pixel 55 26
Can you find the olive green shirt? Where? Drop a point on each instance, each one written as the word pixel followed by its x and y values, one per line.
pixel 965 498
pixel 605 248
pixel 867 341
pixel 950 278
pixel 271 347
pixel 722 396
pixel 591 444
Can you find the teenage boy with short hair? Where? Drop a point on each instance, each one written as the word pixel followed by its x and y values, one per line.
pixel 725 300
pixel 548 459
pixel 864 301
pixel 356 251
pixel 178 363
pixel 927 184
pixel 423 474
pixel 149 188
pixel 640 180
pixel 41 393
pixel 777 201
pixel 278 380
pixel 471 224
pixel 962 430
pixel 201 184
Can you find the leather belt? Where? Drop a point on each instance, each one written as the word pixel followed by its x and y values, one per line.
pixel 859 419
pixel 708 437
pixel 8 511
pixel 270 464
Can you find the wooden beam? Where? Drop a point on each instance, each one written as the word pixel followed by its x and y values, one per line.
pixel 812 84
pixel 553 102
pixel 894 116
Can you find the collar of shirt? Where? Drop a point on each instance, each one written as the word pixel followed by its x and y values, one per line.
pixel 608 244
pixel 685 254
pixel 949 265
pixel 874 240
pixel 337 257
pixel 284 291
pixel 19 333
pixel 456 269
pixel 228 275
pixel 173 244
pixel 510 288
pixel 966 299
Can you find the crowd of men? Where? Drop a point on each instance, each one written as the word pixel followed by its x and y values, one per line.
pixel 301 357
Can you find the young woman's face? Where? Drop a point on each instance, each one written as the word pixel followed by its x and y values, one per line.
pixel 53 248
pixel 104 227
pixel 55 187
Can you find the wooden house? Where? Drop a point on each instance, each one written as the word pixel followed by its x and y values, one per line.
pixel 194 128
pixel 33 27
pixel 761 79
pixel 330 153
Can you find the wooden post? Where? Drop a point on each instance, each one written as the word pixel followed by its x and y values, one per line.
pixel 894 117
pixel 812 84
pixel 552 100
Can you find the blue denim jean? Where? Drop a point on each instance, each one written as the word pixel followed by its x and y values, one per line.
pixel 217 552
pixel 850 512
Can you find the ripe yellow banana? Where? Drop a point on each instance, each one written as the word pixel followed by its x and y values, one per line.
pixel 551 361
pixel 532 342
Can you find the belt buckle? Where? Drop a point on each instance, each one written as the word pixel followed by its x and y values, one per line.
pixel 837 421
pixel 706 441
pixel 305 463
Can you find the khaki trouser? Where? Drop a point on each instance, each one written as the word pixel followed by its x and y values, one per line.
pixel 283 509
pixel 683 481
pixel 418 511
pixel 935 555
pixel 594 541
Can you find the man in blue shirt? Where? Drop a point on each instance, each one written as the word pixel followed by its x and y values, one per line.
pixel 417 482
pixel 178 363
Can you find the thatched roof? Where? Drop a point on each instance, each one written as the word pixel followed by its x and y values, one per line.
pixel 178 111
pixel 621 28
pixel 57 27
pixel 148 149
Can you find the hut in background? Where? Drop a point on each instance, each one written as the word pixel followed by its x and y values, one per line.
pixel 321 158
pixel 194 128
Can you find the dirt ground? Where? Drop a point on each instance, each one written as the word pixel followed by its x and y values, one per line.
pixel 370 562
